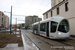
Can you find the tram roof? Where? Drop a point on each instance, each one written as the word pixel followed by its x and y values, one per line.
pixel 35 23
pixel 54 18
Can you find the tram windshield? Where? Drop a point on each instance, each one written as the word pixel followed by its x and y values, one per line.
pixel 63 26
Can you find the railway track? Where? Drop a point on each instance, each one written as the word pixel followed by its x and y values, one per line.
pixel 39 42
pixel 65 43
pixel 62 41
pixel 69 45
pixel 32 41
pixel 45 41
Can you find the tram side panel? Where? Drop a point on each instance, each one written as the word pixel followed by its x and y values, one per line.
pixel 43 29
pixel 47 29
pixel 53 29
pixel 39 28
pixel 35 28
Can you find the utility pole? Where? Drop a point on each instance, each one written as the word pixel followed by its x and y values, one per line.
pixel 10 19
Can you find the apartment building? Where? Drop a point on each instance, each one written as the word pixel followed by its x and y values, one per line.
pixel 65 9
pixel 4 20
pixel 29 20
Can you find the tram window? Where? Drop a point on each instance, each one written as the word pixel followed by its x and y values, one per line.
pixel 63 26
pixel 43 27
pixel 53 26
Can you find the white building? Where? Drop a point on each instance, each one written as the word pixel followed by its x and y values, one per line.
pixel 65 9
pixel 55 2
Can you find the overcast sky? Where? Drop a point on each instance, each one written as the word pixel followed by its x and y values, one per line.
pixel 24 7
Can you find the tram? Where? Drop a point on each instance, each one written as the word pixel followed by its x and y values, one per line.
pixel 56 27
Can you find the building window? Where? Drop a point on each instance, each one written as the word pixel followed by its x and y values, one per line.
pixel 51 13
pixel 2 14
pixel 2 20
pixel 66 6
pixel 57 10
pixel 46 15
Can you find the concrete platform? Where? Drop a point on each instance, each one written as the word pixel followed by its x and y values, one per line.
pixel 71 38
pixel 12 48
pixel 12 45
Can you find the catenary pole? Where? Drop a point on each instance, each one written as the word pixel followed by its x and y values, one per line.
pixel 10 19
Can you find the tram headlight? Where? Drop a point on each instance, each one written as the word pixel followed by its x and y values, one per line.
pixel 59 33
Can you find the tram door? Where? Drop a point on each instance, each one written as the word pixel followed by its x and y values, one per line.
pixel 35 30
pixel 47 29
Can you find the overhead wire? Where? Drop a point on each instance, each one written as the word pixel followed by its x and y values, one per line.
pixel 40 6
pixel 44 7
pixel 39 9
pixel 30 5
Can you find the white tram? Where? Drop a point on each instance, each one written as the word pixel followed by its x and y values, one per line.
pixel 55 28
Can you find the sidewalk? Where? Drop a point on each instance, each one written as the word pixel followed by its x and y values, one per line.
pixel 72 37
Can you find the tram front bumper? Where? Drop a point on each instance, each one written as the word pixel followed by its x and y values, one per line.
pixel 63 35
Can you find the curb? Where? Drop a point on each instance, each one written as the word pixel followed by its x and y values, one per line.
pixel 71 38
pixel 23 41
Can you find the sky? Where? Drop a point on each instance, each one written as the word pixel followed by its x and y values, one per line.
pixel 24 8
